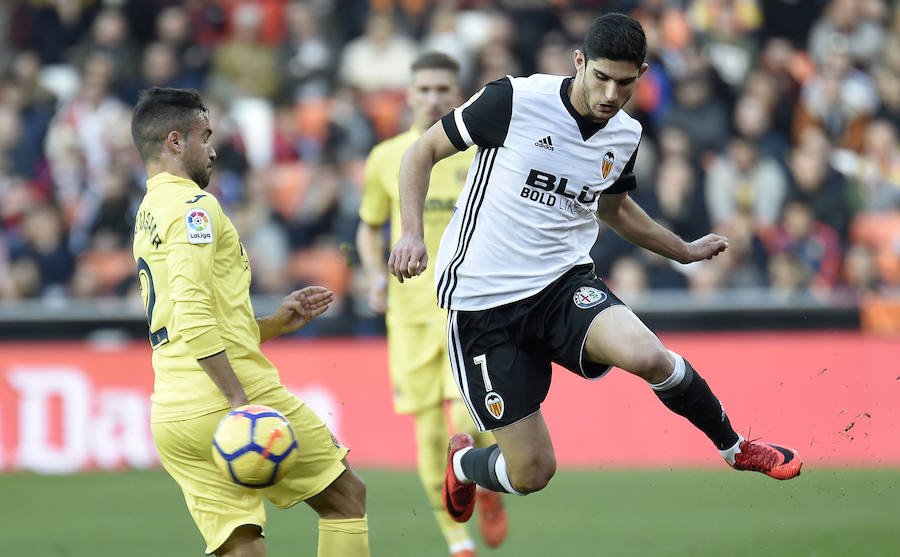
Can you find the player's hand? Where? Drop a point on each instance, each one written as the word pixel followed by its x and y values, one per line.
pixel 409 257
pixel 378 294
pixel 706 247
pixel 300 307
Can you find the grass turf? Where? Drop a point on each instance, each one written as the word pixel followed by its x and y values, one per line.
pixel 671 513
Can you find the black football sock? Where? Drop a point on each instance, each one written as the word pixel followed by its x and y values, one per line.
pixel 480 466
pixel 691 397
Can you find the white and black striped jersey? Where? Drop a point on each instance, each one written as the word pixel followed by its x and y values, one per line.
pixel 526 213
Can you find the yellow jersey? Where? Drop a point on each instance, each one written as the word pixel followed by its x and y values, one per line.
pixel 195 281
pixel 414 301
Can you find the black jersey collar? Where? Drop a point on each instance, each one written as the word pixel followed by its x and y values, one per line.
pixel 585 126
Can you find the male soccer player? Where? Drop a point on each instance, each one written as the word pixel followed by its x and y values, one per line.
pixel 195 279
pixel 554 155
pixel 417 347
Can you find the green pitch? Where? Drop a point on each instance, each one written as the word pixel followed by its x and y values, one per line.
pixel 822 513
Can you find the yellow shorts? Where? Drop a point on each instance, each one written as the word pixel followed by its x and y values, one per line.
pixel 420 366
pixel 217 505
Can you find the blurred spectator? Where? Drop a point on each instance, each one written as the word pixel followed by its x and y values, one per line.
pixel 160 67
pixel 811 247
pixel 745 181
pixel 816 183
pixel 790 19
pixel 243 65
pixel 53 29
pixel 887 81
pixel 378 60
pixel 109 34
pixel 697 109
pixel 743 264
pixel 859 270
pixel 192 40
pixel 377 64
pixel 677 200
pixel 726 30
pixel 845 27
pixel 79 141
pixel 35 106
pixel 778 80
pixel 628 279
pixel 839 100
pixel 41 261
pixel 877 169
pixel 753 121
pixel 305 56
pixel 496 57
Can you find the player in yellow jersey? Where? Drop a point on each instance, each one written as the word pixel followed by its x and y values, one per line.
pixel 417 340
pixel 195 279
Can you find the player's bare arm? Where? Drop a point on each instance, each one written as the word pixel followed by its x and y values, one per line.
pixel 220 371
pixel 295 310
pixel 370 247
pixel 628 220
pixel 409 256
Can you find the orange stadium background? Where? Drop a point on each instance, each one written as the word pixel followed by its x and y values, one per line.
pixel 72 406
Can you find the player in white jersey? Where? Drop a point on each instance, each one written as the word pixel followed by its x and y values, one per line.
pixel 554 155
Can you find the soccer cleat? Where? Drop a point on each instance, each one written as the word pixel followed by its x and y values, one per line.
pixel 492 520
pixel 459 497
pixel 781 463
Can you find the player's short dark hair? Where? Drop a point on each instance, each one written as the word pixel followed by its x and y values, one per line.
pixel 435 61
pixel 160 110
pixel 616 36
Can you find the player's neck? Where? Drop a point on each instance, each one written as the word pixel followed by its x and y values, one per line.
pixel 576 97
pixel 168 166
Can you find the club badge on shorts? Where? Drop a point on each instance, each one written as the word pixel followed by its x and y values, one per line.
pixel 494 404
pixel 588 297
pixel 199 226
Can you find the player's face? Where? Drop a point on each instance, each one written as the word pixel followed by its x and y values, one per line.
pixel 602 86
pixel 432 94
pixel 199 154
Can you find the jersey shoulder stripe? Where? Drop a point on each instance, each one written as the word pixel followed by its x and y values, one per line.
pixel 448 278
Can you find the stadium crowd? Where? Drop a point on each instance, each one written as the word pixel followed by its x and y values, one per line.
pixel 774 122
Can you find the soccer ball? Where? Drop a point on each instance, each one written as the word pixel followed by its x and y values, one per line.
pixel 254 446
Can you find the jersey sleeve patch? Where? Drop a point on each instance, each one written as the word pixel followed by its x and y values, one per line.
pixel 199 226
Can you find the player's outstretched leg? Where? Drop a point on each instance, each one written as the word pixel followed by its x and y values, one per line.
pixel 775 461
pixel 459 496
pixel 686 393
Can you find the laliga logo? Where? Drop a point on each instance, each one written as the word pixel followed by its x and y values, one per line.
pixel 198 221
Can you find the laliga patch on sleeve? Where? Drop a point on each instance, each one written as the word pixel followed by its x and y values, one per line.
pixel 199 226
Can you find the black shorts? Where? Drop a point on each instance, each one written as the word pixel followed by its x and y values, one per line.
pixel 501 356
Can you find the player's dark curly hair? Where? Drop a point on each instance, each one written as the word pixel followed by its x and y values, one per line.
pixel 160 110
pixel 616 37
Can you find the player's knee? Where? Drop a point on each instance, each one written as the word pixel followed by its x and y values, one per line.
pixel 344 498
pixel 535 476
pixel 653 364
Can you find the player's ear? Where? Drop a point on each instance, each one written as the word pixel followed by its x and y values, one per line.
pixel 579 60
pixel 175 141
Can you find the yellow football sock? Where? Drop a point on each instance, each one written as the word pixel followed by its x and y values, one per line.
pixel 347 537
pixel 431 437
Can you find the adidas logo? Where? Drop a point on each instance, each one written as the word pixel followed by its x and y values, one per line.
pixel 545 143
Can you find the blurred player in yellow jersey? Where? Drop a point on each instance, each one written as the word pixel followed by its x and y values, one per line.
pixel 417 338
pixel 195 279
